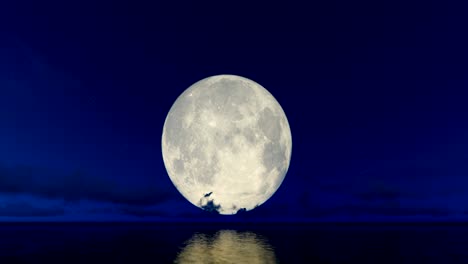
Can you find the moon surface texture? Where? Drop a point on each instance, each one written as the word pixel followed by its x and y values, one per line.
pixel 226 144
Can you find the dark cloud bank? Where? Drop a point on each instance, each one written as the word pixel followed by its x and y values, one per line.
pixel 320 201
pixel 77 186
pixel 24 209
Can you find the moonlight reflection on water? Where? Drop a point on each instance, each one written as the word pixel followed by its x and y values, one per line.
pixel 226 246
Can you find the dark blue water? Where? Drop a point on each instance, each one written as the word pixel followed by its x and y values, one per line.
pixel 185 243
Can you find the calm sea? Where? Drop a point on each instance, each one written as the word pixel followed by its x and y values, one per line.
pixel 186 243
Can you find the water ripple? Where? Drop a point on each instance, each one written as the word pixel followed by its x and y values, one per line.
pixel 227 246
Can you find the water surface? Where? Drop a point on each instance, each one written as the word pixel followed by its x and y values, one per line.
pixel 195 243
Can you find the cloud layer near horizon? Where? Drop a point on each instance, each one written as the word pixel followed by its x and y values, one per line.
pixel 371 193
pixel 77 186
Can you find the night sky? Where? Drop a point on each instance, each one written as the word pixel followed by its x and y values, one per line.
pixel 375 93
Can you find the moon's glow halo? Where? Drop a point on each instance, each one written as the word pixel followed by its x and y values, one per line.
pixel 226 144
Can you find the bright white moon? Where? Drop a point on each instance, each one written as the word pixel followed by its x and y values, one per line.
pixel 226 144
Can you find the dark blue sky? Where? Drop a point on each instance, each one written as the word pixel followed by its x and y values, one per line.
pixel 375 92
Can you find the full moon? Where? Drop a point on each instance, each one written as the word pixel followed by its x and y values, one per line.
pixel 226 144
